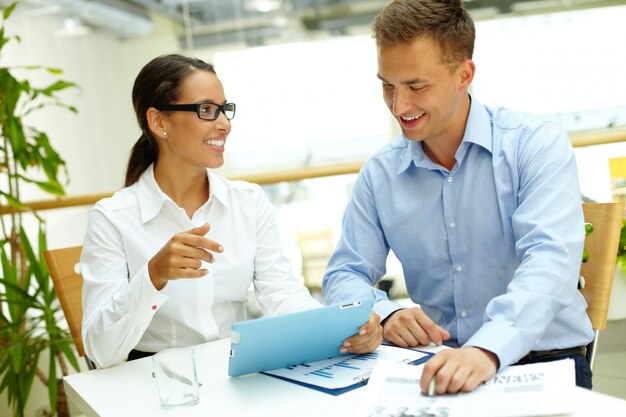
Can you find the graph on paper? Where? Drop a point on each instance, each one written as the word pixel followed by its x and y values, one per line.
pixel 346 370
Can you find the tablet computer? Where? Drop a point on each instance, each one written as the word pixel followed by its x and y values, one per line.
pixel 291 339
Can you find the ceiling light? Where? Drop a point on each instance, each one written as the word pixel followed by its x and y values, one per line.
pixel 71 27
pixel 262 6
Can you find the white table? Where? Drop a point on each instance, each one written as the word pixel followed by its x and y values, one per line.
pixel 129 390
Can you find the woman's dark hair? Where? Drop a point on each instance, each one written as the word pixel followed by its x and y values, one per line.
pixel 157 84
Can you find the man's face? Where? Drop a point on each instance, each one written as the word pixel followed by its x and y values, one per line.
pixel 421 91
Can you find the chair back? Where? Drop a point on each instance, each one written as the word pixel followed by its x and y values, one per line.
pixel 601 246
pixel 62 265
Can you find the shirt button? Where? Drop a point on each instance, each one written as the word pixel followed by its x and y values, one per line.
pixel 459 268
pixel 154 307
pixel 449 179
pixel 452 225
pixel 463 313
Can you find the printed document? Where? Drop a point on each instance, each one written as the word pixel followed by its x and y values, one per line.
pixel 537 389
pixel 346 370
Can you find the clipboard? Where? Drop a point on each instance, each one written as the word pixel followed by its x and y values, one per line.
pixel 306 336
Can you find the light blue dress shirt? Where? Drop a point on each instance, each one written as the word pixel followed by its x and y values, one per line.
pixel 490 250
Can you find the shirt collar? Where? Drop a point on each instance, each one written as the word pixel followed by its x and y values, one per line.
pixel 218 188
pixel 151 197
pixel 478 127
pixel 477 130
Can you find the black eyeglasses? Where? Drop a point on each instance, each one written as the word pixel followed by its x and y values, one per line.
pixel 205 111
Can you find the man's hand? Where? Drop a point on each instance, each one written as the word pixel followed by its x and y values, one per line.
pixel 370 336
pixel 459 370
pixel 412 327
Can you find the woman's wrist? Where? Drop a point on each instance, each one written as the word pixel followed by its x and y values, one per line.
pixel 159 283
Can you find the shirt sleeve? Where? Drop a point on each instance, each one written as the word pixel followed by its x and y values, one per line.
pixel 549 234
pixel 277 290
pixel 116 310
pixel 359 261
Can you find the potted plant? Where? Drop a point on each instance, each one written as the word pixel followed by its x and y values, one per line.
pixel 29 309
pixel 617 307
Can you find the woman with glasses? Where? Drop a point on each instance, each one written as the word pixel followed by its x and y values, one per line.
pixel 168 260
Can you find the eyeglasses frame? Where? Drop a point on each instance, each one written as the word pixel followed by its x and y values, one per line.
pixel 196 109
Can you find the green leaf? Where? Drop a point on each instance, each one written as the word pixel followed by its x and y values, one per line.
pixel 7 377
pixel 56 71
pixel 11 91
pixel 56 86
pixel 15 352
pixel 51 161
pixel 69 354
pixel 7 12
pixel 52 187
pixel 42 244
pixel 30 375
pixel 15 133
pixel 16 295
pixel 13 202
pixel 10 282
pixel 42 279
pixel 3 40
pixel 52 380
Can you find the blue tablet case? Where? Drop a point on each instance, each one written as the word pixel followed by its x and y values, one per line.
pixel 291 339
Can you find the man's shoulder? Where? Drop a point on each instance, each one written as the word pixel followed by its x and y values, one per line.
pixel 505 119
pixel 394 150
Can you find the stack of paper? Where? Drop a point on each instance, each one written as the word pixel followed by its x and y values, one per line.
pixel 527 390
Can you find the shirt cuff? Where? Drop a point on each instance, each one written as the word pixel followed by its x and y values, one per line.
pixel 503 341
pixel 148 299
pixel 385 307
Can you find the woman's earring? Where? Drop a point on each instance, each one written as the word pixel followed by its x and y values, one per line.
pixel 163 133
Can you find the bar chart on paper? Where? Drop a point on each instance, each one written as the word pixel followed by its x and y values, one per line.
pixel 329 369
pixel 344 371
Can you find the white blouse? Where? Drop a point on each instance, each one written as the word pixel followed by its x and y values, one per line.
pixel 121 308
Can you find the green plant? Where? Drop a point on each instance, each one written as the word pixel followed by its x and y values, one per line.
pixel 29 308
pixel 621 250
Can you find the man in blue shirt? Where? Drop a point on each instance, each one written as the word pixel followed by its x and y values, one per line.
pixel 480 205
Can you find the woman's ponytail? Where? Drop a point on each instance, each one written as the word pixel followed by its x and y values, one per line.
pixel 144 152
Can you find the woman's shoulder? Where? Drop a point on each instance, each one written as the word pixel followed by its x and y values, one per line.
pixel 237 192
pixel 121 199
pixel 235 186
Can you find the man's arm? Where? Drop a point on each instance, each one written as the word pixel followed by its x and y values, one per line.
pixel 359 261
pixel 549 235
